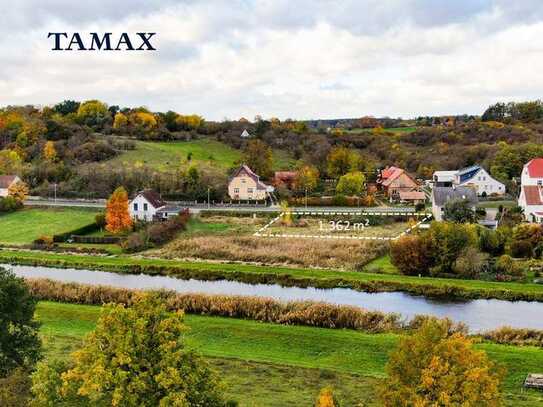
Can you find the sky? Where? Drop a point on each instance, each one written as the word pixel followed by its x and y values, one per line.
pixel 299 59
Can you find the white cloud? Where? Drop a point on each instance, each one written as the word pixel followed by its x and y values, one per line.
pixel 299 59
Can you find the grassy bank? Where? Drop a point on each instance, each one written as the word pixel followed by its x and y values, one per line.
pixel 277 365
pixel 371 282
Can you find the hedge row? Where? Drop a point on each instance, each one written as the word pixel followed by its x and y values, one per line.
pixel 96 239
pixel 83 230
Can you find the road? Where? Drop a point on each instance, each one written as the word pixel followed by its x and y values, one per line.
pixel 196 208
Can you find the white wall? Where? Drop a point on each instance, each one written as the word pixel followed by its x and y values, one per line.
pixel 142 213
pixel 527 180
pixel 483 182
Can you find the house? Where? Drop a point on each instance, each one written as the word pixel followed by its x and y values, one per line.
pixel 474 176
pixel 442 195
pixel 284 179
pixel 6 181
pixel 245 185
pixel 531 190
pixel 394 180
pixel 146 205
pixel 245 134
pixel 412 197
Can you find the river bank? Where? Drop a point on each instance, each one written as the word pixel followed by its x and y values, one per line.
pixel 429 287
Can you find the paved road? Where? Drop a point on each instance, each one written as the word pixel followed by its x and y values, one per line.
pixel 79 203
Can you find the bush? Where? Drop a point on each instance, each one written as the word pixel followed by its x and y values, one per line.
pixel 521 249
pixel 9 204
pixel 411 254
pixel 471 263
pixel 506 266
pixel 100 220
pixel 135 242
pixel 162 232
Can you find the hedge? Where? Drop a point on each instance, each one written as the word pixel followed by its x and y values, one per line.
pixel 83 230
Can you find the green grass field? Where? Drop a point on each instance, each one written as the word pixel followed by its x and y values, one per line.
pixel 277 365
pixel 110 263
pixel 205 152
pixel 26 225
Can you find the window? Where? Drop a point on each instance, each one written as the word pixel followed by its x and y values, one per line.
pixel 243 180
pixel 236 190
pixel 539 182
pixel 250 190
pixel 145 206
pixel 135 207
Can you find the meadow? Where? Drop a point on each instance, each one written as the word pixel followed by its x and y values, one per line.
pixel 208 153
pixel 24 226
pixel 266 364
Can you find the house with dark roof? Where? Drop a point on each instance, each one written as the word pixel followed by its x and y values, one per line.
pixel 531 190
pixel 442 195
pixel 245 185
pixel 6 181
pixel 474 176
pixel 146 205
pixel 394 180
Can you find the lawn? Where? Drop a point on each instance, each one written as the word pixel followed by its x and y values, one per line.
pixel 274 365
pixel 205 152
pixel 26 225
pixel 248 272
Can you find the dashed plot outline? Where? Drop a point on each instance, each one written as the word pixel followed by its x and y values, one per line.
pixel 261 232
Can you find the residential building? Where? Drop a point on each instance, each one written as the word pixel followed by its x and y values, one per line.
pixel 7 181
pixel 412 197
pixel 394 180
pixel 245 134
pixel 245 185
pixel 531 190
pixel 146 205
pixel 475 176
pixel 442 195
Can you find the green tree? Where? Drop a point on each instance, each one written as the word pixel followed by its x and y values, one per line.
pixel 341 160
pixel 66 107
pixel 136 356
pixel 259 157
pixel 307 178
pixel 437 366
pixel 20 345
pixel 459 211
pixel 447 241
pixel 351 184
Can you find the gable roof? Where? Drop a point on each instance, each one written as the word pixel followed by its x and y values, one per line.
pixel 535 168
pixel 153 198
pixel 441 195
pixel 469 169
pixel 245 169
pixel 391 173
pixel 245 133
pixel 532 193
pixel 7 180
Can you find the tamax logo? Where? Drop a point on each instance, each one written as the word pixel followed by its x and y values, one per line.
pixel 103 42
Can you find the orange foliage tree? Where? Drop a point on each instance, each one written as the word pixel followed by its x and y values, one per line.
pixel 117 215
pixel 326 398
pixel 437 366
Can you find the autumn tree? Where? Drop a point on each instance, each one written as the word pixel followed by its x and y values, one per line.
pixel 438 366
pixel 326 398
pixel 136 356
pixel 342 160
pixel 117 214
pixel 307 178
pixel 93 113
pixel 351 184
pixel 18 190
pixel 259 157
pixel 49 151
pixel 411 254
pixel 10 162
pixel 120 121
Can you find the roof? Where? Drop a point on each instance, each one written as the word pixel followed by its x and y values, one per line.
pixel 388 171
pixel 532 193
pixel 250 174
pixel 171 209
pixel 535 168
pixel 245 133
pixel 469 169
pixel 285 175
pixel 441 195
pixel 412 196
pixel 153 198
pixel 391 173
pixel 7 180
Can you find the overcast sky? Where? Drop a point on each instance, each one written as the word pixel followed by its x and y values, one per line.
pixel 285 58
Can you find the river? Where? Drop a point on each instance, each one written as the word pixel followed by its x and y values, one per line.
pixel 479 315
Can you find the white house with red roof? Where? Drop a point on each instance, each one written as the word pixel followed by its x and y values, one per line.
pixel 531 191
pixel 245 185
pixel 7 181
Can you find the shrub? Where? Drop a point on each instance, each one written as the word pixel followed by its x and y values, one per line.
pixel 521 249
pixel 411 254
pixel 162 232
pixel 9 204
pixel 100 220
pixel 471 263
pixel 135 242
pixel 506 266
